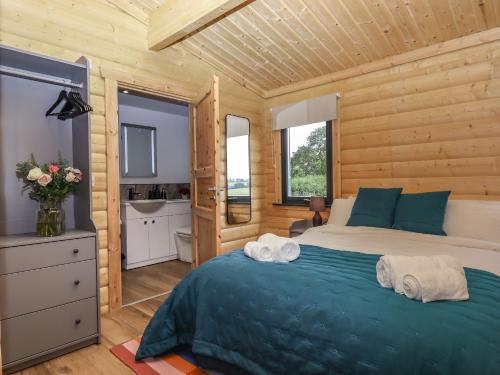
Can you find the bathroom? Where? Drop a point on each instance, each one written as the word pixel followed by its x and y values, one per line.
pixel 155 207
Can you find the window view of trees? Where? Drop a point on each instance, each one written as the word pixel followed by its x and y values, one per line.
pixel 238 186
pixel 308 162
pixel 238 166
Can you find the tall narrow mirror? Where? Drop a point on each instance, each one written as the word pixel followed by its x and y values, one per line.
pixel 238 181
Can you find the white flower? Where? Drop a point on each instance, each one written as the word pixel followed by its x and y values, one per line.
pixel 44 179
pixel 34 174
pixel 70 177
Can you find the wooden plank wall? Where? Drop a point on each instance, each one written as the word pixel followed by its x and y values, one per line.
pixel 429 125
pixel 235 236
pixel 116 41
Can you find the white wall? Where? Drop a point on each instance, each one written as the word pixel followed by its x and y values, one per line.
pixel 172 123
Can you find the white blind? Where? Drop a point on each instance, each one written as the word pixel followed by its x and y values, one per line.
pixel 321 108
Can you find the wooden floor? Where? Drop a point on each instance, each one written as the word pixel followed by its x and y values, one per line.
pixel 149 281
pixel 117 327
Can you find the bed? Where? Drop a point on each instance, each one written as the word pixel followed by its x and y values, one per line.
pixel 325 312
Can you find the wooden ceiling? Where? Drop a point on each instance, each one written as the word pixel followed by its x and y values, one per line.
pixel 270 44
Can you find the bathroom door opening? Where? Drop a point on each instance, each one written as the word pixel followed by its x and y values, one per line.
pixel 154 194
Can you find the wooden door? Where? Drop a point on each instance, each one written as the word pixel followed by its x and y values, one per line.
pixel 205 175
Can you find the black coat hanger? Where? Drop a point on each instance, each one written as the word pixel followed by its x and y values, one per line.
pixel 71 109
pixel 78 98
pixel 73 106
pixel 63 95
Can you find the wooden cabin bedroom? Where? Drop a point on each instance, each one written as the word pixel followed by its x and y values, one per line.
pixel 250 187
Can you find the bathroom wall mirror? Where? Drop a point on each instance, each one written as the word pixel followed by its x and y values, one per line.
pixel 238 178
pixel 138 151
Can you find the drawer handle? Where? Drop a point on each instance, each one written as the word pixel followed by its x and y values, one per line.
pixel 153 221
pixel 76 251
pixel 77 282
pixel 145 222
pixel 77 321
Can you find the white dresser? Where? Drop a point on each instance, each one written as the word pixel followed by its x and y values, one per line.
pixel 148 229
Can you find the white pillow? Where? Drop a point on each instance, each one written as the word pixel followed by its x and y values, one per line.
pixel 473 219
pixel 341 211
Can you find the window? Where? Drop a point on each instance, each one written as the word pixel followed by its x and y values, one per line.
pixel 306 162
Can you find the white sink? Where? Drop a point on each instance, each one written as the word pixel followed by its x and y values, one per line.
pixel 147 201
pixel 146 205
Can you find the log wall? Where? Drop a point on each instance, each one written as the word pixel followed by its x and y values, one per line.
pixel 433 124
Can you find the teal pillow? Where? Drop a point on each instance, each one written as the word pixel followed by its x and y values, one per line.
pixel 422 213
pixel 374 208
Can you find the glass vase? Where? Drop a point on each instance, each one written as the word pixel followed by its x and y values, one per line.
pixel 50 219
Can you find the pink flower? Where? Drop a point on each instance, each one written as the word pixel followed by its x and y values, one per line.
pixel 53 168
pixel 73 174
pixel 44 179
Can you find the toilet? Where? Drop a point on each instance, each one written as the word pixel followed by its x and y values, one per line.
pixel 183 243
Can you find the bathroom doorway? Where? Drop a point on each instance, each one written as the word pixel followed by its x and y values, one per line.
pixel 155 205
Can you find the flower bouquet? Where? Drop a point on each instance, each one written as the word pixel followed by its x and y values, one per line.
pixel 49 184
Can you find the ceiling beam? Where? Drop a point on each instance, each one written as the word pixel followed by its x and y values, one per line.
pixel 132 10
pixel 177 19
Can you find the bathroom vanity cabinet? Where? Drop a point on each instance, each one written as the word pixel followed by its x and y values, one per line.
pixel 148 229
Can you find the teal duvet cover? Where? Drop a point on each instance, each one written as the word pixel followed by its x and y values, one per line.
pixel 325 314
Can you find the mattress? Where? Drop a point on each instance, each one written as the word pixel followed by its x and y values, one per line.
pixel 325 314
pixel 472 253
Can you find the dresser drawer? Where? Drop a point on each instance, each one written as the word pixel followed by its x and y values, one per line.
pixel 29 291
pixel 28 257
pixel 38 332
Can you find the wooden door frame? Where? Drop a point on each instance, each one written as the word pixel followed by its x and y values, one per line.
pixel 114 80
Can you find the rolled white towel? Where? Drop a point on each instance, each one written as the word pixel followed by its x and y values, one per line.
pixel 447 261
pixel 258 251
pixel 392 268
pixel 284 249
pixel 445 284
pixel 384 272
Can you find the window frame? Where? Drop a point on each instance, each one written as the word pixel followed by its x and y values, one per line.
pixel 304 201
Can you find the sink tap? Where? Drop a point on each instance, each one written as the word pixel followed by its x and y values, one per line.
pixel 132 194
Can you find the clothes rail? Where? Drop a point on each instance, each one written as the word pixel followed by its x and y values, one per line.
pixel 38 77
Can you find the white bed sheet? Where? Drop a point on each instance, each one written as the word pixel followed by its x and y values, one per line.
pixel 472 253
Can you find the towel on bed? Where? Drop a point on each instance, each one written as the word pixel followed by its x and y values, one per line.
pixel 392 268
pixel 427 286
pixel 258 251
pixel 283 249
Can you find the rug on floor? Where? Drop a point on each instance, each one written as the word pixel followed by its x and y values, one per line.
pixel 180 362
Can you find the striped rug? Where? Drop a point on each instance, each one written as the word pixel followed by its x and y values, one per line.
pixel 179 362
